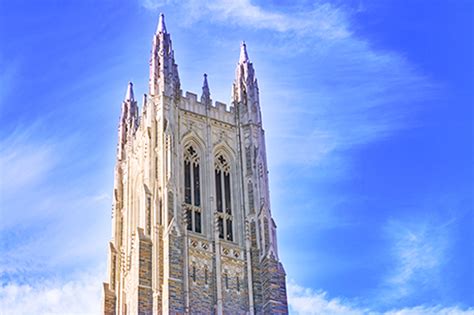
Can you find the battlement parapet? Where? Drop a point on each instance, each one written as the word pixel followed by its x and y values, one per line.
pixel 219 111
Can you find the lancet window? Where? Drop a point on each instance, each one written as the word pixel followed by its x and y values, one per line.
pixel 223 198
pixel 192 189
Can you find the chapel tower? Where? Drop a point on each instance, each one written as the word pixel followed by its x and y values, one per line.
pixel 192 231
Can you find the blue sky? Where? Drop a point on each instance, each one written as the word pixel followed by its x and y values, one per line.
pixel 368 111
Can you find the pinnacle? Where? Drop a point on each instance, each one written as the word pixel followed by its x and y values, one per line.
pixel 129 95
pixel 243 53
pixel 161 24
pixel 205 84
pixel 206 95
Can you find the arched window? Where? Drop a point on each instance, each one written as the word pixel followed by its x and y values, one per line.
pixel 192 189
pixel 223 198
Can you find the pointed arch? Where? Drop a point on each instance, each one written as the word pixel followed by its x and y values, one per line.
pixel 224 149
pixel 193 151
pixel 223 170
pixel 192 138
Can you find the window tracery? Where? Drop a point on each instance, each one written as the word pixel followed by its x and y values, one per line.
pixel 192 189
pixel 223 198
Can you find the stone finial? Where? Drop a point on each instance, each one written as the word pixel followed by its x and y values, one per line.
pixel 206 94
pixel 161 24
pixel 129 95
pixel 243 53
pixel 205 85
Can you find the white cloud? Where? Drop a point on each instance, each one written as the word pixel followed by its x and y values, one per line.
pixel 61 232
pixel 357 96
pixel 305 301
pixel 24 161
pixel 82 295
pixel 322 20
pixel 153 4
pixel 78 296
pixel 434 310
pixel 55 225
pixel 419 250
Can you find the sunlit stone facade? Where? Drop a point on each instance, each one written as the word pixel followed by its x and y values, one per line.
pixel 192 231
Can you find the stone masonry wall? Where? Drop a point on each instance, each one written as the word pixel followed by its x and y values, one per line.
pixel 175 283
pixel 257 285
pixel 145 292
pixel 201 285
pixel 274 288
pixel 158 265
pixel 234 295
pixel 109 300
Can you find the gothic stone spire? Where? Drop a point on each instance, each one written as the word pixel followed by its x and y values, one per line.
pixel 129 107
pixel 245 89
pixel 128 119
pixel 164 77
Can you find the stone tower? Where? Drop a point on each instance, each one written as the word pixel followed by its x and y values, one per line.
pixel 192 231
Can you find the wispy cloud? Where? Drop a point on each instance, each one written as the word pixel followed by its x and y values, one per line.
pixel 356 96
pixel 419 251
pixel 55 236
pixel 323 20
pixel 24 161
pixel 433 310
pixel 153 4
pixel 47 225
pixel 305 301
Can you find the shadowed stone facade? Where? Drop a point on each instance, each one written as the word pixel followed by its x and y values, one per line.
pixel 192 231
